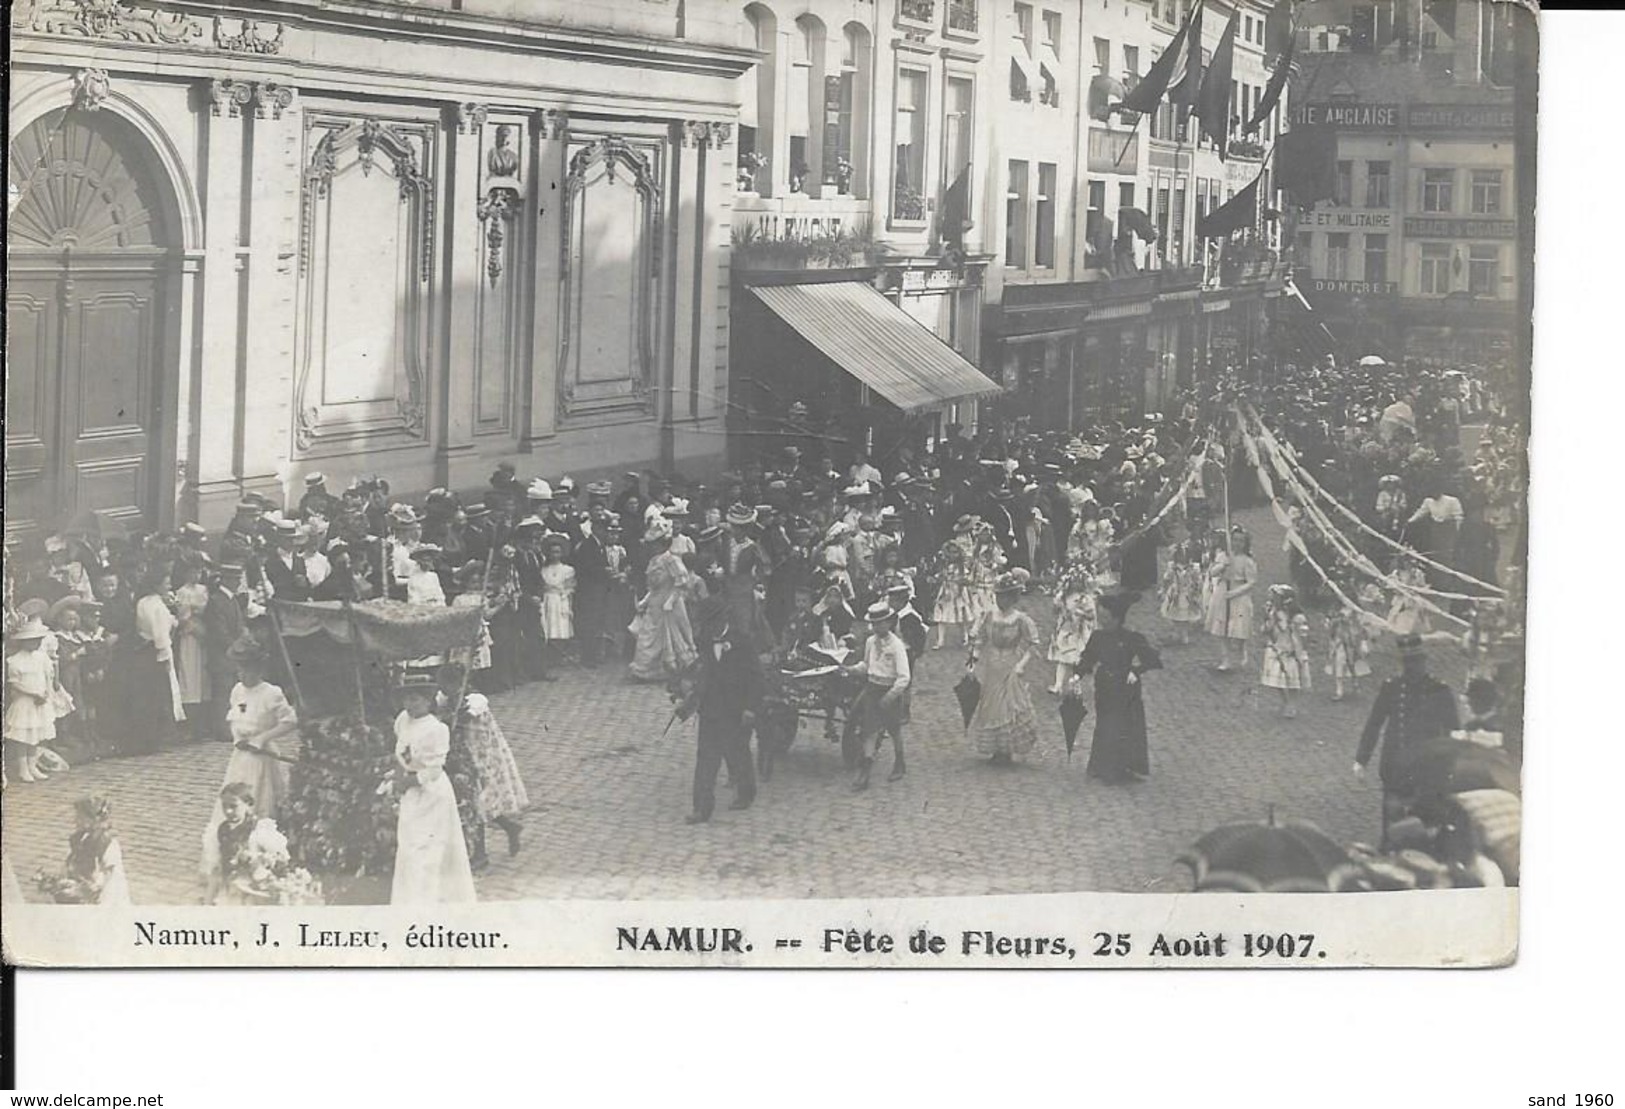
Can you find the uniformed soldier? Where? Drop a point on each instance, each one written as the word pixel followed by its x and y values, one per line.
pixel 1411 708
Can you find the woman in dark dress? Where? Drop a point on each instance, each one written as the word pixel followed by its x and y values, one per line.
pixel 1118 657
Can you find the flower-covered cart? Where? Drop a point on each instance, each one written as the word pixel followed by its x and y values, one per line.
pixel 342 660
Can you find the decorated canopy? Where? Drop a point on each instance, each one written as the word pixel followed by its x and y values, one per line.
pixel 388 630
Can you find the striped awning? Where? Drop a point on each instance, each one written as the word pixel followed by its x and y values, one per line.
pixel 877 342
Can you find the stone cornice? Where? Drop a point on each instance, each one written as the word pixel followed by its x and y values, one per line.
pixel 301 18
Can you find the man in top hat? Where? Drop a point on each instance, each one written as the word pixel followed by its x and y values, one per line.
pixel 592 585
pixel 1411 708
pixel 478 531
pixel 882 707
pixel 285 569
pixel 317 501
pixel 726 693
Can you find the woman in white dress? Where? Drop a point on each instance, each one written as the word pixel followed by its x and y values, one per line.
pixel 1231 616
pixel 191 596
pixel 431 856
pixel 261 722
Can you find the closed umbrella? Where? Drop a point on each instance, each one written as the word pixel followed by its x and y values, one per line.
pixel 969 692
pixel 1073 710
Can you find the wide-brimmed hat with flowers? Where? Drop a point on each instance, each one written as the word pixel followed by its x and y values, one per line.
pixel 1011 581
pixel 741 515
pixel 245 650
pixel 31 631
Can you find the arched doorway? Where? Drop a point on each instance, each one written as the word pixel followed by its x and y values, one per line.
pixel 89 354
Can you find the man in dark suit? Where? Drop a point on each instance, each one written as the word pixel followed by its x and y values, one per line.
pixel 1411 708
pixel 285 566
pixel 727 690
pixel 592 586
pixel 223 625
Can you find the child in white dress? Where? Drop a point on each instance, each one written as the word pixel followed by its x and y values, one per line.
pixel 1348 657
pixel 558 591
pixel 30 717
pixel 1286 648
pixel 94 871
pixel 1075 621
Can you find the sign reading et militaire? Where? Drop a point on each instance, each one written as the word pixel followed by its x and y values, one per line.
pixel 1342 217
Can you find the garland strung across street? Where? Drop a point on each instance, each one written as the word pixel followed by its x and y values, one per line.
pixel 1367 528
pixel 1284 518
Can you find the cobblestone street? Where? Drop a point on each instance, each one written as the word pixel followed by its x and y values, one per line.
pixel 609 794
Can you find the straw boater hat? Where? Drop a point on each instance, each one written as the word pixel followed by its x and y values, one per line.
pixel 741 516
pixel 529 523
pixel 879 612
pixel 315 479
pixel 31 630
pixel 73 601
pixel 600 489
pixel 476 511
pixel 428 551
pixel 403 515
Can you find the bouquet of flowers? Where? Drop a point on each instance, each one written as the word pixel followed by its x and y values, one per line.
pixel 263 871
pixel 66 889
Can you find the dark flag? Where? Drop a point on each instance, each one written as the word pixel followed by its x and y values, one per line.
pixel 1273 90
pixel 1213 102
pixel 1306 164
pixel 1149 91
pixel 1137 221
pixel 956 212
pixel 1189 90
pixel 1240 211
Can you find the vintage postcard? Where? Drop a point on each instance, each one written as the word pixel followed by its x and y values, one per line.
pixel 907 483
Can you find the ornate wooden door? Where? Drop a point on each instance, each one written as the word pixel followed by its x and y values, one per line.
pixel 86 336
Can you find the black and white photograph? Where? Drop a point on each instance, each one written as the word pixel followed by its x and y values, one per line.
pixel 475 463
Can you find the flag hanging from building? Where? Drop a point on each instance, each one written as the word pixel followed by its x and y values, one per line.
pixel 1306 163
pixel 1213 102
pixel 1149 91
pixel 955 220
pixel 1188 88
pixel 1236 214
pixel 1277 85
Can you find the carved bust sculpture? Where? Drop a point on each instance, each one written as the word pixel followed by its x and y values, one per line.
pixel 503 161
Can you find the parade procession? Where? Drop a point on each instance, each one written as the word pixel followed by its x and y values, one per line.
pixel 436 487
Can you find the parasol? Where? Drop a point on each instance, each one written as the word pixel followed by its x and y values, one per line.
pixel 1269 857
pixel 968 691
pixel 1073 710
pixel 1373 360
pixel 1445 766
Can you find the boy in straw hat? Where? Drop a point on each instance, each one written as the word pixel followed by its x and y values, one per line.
pixel 883 704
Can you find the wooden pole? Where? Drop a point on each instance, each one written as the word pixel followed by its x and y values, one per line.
pixel 360 657
pixel 287 661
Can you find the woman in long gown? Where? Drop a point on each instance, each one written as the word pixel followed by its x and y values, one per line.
pixel 503 798
pixel 665 644
pixel 1118 657
pixel 153 693
pixel 1002 641
pixel 431 856
pixel 261 722
pixel 1232 615
pixel 191 596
